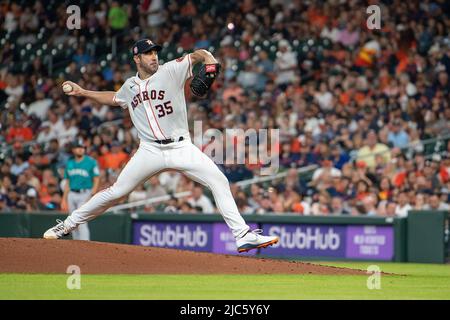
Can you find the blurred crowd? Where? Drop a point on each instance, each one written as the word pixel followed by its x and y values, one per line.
pixel 356 103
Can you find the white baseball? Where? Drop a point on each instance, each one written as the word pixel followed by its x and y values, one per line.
pixel 67 88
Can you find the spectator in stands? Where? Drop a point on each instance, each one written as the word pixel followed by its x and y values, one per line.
pixel 397 135
pixel 264 68
pixel 138 194
pixel 116 158
pixel 403 205
pixel 198 199
pixel 155 189
pixel 372 148
pixel 323 177
pixel 81 58
pixel 32 201
pixel 117 17
pixel 348 36
pixel 435 203
pixel 19 165
pixel 19 132
pixel 337 206
pixel 276 200
pixel 31 177
pixel 265 205
pixel 186 207
pixel 45 134
pixel 14 90
pixel 391 208
pixel 242 205
pixel 232 90
pixel 369 204
pixel 70 130
pixel 169 180
pixel 324 97
pixel 420 202
pixel 171 205
pixel 248 77
pixel 338 156
pixel 40 106
pixel 300 205
pixel 285 64
pixel 3 204
pixel 322 205
pixel 254 197
pixel 385 189
pixel 56 124
pixel 362 189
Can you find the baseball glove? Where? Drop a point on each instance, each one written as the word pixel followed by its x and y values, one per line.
pixel 204 79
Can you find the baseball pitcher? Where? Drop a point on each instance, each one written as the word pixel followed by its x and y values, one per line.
pixel 155 100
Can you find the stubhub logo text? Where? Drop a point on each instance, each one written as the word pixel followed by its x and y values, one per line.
pixel 173 236
pixel 306 237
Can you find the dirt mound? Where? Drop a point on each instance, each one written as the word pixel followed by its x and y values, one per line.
pixel 19 255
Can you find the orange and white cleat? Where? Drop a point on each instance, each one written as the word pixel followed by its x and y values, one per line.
pixel 254 240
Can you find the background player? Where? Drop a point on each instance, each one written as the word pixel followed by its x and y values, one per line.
pixel 82 180
pixel 156 103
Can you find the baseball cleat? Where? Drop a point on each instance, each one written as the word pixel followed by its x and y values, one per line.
pixel 254 240
pixel 57 232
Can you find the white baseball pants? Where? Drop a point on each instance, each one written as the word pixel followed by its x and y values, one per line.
pixel 151 158
pixel 76 200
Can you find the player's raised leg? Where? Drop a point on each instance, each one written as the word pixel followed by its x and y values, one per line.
pixel 144 163
pixel 199 167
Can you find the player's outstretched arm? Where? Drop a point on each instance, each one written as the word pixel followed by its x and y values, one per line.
pixel 102 97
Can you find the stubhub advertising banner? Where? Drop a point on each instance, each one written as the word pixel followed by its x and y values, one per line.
pixel 370 242
pixel 296 240
pixel 210 237
pixel 350 242
pixel 306 240
pixel 186 236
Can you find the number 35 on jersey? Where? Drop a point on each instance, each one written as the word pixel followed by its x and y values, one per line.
pixel 162 108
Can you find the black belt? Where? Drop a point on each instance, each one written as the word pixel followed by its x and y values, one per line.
pixel 167 141
pixel 79 190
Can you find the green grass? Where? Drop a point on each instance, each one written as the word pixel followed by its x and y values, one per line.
pixel 421 281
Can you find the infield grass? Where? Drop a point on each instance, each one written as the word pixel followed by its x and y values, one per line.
pixel 418 281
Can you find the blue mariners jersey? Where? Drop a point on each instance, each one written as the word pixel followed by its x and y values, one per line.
pixel 80 174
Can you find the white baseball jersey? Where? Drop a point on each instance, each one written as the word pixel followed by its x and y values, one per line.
pixel 157 105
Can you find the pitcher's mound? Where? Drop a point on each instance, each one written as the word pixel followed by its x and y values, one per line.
pixel 18 255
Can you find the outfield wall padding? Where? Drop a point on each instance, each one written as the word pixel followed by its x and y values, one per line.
pixel 427 239
pixel 418 238
pixel 107 228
